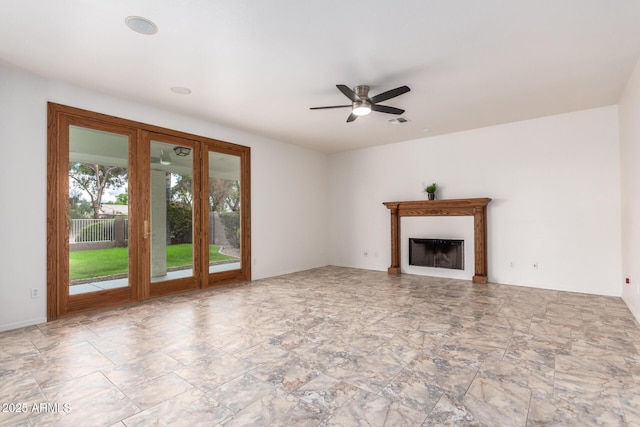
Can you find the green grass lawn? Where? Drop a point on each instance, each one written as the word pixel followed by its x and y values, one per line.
pixel 106 262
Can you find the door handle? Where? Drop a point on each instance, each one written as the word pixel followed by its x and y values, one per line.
pixel 147 229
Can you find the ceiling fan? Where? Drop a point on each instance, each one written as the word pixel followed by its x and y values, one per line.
pixel 361 104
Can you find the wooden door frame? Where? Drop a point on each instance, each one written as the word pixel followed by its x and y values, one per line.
pixel 59 118
pixel 244 153
pixel 182 284
pixel 59 302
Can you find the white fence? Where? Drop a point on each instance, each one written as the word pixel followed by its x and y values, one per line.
pixel 96 230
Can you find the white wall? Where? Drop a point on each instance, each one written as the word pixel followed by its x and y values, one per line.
pixel 552 180
pixel 630 189
pixel 555 185
pixel 23 191
pixel 289 209
pixel 289 189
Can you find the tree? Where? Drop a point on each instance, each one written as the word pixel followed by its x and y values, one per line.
pixel 94 179
pixel 224 195
pixel 182 190
pixel 78 208
pixel 180 221
pixel 122 199
pixel 232 199
pixel 218 189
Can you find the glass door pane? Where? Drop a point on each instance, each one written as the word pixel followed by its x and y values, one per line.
pixel 98 210
pixel 225 219
pixel 172 212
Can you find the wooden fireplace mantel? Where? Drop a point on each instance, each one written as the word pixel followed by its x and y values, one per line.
pixel 453 207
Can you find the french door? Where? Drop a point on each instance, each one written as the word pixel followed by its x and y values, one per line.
pixel 171 189
pixel 136 211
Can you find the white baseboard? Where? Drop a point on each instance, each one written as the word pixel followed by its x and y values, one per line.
pixel 630 307
pixel 22 324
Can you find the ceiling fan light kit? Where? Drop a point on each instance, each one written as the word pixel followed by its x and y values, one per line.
pixel 362 104
pixel 361 108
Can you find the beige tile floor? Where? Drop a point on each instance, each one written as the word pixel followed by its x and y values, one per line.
pixel 331 347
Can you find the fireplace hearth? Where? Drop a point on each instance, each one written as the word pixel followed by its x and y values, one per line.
pixel 439 253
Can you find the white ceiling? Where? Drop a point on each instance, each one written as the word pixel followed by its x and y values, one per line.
pixel 259 65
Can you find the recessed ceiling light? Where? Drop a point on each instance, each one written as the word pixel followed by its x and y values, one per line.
pixel 141 25
pixel 181 90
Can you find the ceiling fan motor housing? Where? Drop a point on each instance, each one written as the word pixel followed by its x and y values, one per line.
pixel 362 92
pixel 362 106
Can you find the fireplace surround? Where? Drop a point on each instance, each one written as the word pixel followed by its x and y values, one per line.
pixel 453 207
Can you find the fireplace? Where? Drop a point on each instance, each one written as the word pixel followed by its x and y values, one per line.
pixel 440 253
pixel 453 207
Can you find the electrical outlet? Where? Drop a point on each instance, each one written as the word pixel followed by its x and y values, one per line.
pixel 512 264
pixel 365 253
pixel 35 293
pixel 535 266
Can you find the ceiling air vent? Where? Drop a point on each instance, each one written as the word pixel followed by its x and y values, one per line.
pixel 398 120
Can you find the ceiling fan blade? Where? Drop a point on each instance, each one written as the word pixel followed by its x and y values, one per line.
pixel 386 109
pixel 351 117
pixel 348 93
pixel 390 94
pixel 332 106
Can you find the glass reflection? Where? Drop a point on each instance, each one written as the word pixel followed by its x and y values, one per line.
pixel 98 210
pixel 171 225
pixel 224 212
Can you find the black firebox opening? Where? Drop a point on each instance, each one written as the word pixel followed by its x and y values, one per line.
pixel 441 253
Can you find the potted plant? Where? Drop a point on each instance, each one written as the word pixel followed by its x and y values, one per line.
pixel 431 191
